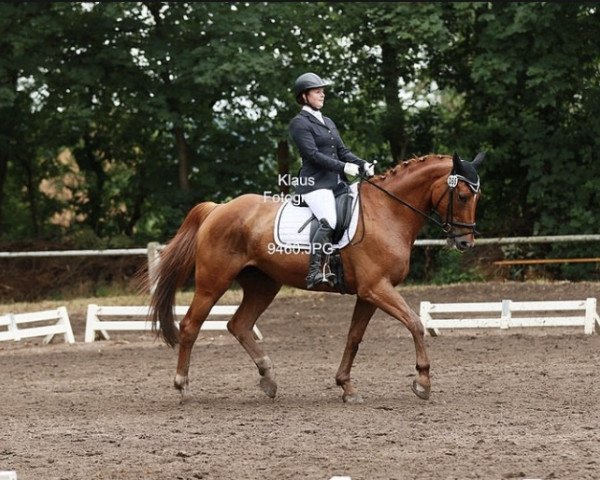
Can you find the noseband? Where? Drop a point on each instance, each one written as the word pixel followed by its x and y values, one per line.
pixel 448 225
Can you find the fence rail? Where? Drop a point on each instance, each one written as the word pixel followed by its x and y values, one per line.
pixel 77 253
pixel 154 246
pixel 506 314
pixel 152 251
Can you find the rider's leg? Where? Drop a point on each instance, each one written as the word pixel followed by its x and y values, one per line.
pixel 322 204
pixel 321 238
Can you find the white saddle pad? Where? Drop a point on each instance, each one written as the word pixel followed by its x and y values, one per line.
pixel 290 219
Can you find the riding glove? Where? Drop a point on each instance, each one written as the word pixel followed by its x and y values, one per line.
pixel 369 169
pixel 351 170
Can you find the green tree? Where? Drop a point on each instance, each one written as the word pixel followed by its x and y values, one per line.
pixel 383 72
pixel 525 77
pixel 18 125
pixel 150 107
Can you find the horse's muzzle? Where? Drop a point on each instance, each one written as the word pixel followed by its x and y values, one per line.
pixel 462 242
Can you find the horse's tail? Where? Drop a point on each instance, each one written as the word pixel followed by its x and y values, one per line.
pixel 176 264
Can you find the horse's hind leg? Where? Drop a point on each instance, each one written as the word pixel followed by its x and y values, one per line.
pixel 259 291
pixel 189 328
pixel 363 311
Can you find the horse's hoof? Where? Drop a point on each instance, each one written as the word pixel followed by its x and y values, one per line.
pixel 352 399
pixel 421 391
pixel 181 383
pixel 268 386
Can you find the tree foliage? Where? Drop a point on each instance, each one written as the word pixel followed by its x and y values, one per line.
pixel 115 118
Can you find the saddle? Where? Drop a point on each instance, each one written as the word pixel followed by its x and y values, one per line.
pixel 295 226
pixel 343 207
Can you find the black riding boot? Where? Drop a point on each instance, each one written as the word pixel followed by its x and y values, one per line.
pixel 322 236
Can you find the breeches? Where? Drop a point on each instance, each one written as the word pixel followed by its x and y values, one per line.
pixel 322 203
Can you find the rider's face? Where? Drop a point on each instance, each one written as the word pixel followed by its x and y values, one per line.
pixel 315 97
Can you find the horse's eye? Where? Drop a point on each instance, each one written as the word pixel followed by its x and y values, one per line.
pixel 463 198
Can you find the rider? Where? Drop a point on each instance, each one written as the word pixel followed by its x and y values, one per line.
pixel 325 159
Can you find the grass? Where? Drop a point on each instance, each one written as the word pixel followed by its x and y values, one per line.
pixel 78 304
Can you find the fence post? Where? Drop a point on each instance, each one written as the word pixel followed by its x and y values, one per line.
pixel 153 261
pixel 425 314
pixel 13 327
pixel 63 320
pixel 90 324
pixel 591 317
pixel 505 315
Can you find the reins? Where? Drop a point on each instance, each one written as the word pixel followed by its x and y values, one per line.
pixel 443 226
pixel 446 226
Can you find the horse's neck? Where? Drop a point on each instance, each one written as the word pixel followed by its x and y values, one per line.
pixel 413 184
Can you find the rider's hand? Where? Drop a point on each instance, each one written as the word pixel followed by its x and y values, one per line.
pixel 351 170
pixel 369 169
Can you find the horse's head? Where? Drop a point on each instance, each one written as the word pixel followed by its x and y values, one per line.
pixel 456 201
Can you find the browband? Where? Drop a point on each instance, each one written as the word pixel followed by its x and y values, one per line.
pixel 453 182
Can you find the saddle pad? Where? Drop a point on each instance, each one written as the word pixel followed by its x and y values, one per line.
pixel 290 219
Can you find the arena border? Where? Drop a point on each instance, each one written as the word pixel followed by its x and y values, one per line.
pixel 94 324
pixel 14 323
pixel 505 318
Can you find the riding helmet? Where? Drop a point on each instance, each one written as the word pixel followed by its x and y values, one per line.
pixel 305 82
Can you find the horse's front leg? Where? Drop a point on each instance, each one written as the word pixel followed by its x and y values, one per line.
pixel 387 298
pixel 363 311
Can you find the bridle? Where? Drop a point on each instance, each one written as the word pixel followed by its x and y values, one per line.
pixel 449 224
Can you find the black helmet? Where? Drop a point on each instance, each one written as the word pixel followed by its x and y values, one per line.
pixel 305 82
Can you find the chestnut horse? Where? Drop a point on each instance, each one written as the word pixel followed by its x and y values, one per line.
pixel 227 242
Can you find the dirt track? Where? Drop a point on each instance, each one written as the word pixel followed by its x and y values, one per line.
pixel 516 404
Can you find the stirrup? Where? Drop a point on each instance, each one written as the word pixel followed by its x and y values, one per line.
pixel 312 282
pixel 328 276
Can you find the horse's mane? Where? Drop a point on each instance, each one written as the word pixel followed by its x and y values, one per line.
pixel 404 164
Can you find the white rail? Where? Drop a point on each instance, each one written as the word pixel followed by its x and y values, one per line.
pixel 153 249
pixel 95 324
pixel 513 240
pixel 153 246
pixel 77 253
pixel 506 314
pixel 27 325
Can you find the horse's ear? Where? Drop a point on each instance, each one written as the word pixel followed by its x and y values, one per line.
pixel 456 162
pixel 478 160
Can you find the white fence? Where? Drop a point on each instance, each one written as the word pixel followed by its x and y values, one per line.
pixel 153 247
pixel 510 314
pixel 18 326
pixel 95 324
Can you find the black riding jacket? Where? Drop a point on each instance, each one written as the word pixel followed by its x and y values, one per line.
pixel 322 150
